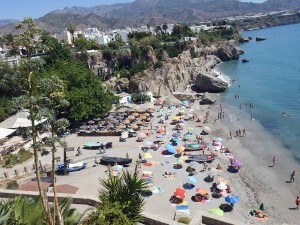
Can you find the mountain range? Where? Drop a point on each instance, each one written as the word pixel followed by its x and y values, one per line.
pixel 153 12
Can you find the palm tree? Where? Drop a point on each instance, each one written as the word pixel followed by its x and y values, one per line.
pixel 165 27
pixel 72 29
pixel 22 210
pixel 158 29
pixel 123 195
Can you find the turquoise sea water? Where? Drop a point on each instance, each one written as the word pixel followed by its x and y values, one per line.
pixel 270 81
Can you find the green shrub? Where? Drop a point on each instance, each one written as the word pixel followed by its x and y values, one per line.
pixel 140 98
pixel 12 185
pixel 158 64
pixel 184 220
pixel 24 155
pixel 10 160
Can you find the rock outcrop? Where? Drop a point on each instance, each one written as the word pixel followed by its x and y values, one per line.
pixel 207 99
pixel 209 83
pixel 228 52
pixel 175 74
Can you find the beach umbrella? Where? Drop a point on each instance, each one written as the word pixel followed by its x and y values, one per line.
pixel 143 117
pixel 126 121
pixel 201 191
pixel 142 135
pixel 180 149
pixel 91 122
pixel 160 100
pixel 180 193
pixel 161 130
pixel 232 199
pixel 206 129
pixel 192 179
pixel 180 121
pixel 175 135
pixel 175 118
pixel 117 168
pixel 121 126
pixel 216 211
pixel 150 110
pixel 236 163
pixel 219 139
pixel 180 160
pixel 148 143
pixel 175 139
pixel 185 102
pixel 226 207
pixel 191 129
pixel 222 186
pixel 181 110
pixel 170 148
pixel 114 121
pixel 187 135
pixel 183 107
pixel 124 134
pixel 140 110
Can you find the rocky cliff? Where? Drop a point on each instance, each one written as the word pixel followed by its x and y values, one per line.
pixel 182 71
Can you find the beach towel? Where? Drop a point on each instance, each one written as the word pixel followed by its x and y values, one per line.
pixel 265 218
pixel 170 177
pixel 147 164
pixel 183 208
pixel 147 155
pixel 158 190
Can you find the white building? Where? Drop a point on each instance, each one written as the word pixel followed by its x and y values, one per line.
pixel 91 33
pixel 125 98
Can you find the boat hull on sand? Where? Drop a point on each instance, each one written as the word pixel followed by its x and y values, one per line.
pixel 115 160
pixel 201 158
pixel 71 167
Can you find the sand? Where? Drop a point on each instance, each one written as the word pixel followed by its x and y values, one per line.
pixel 255 183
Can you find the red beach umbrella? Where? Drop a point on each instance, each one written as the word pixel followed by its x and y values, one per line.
pixel 180 193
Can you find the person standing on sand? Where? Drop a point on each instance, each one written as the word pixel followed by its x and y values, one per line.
pixel 274 161
pixel 244 132
pixel 293 176
pixel 230 135
pixel 297 202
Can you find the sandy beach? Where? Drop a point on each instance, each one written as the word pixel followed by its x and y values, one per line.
pixel 254 184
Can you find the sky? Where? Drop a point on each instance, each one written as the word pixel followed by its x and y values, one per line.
pixel 18 9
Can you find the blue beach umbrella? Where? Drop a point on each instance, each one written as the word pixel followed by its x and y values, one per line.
pixel 185 102
pixel 176 135
pixel 219 139
pixel 175 139
pixel 170 148
pixel 231 199
pixel 192 179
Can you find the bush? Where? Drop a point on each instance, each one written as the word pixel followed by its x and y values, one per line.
pixel 12 185
pixel 158 64
pixel 10 160
pixel 140 98
pixel 184 220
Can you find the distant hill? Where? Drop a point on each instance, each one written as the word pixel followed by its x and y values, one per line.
pixel 5 22
pixel 153 12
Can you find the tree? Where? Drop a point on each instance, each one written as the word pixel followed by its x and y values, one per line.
pixel 158 29
pixel 83 91
pixel 72 29
pixel 56 50
pixel 165 27
pixel 22 210
pixel 30 100
pixel 122 193
pixel 52 92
